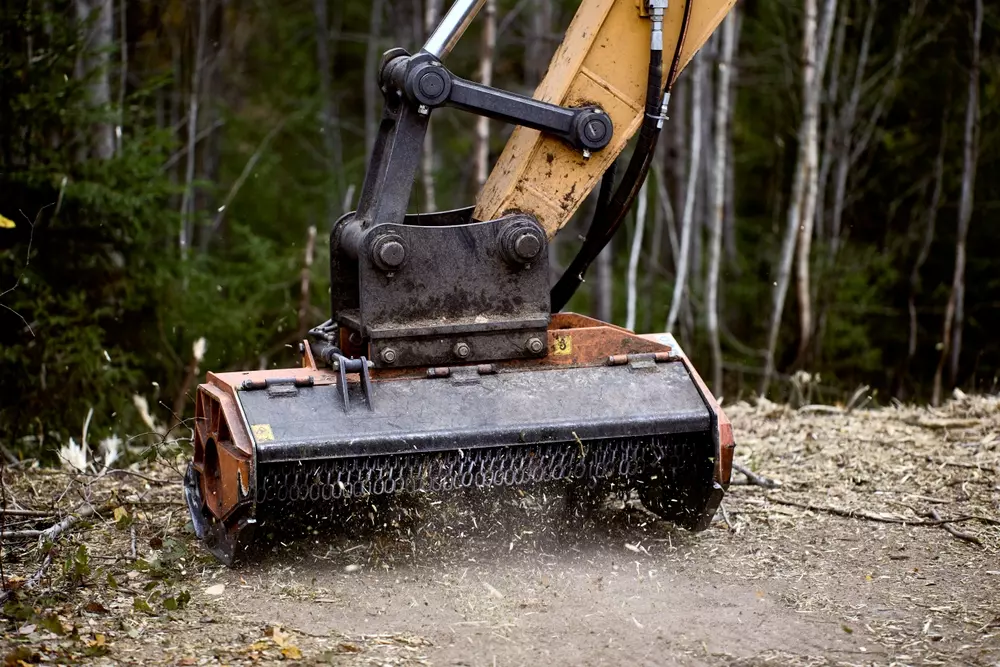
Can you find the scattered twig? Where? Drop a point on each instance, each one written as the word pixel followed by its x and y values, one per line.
pixel 133 540
pixel 753 479
pixel 725 517
pixel 967 537
pixel 11 512
pixel 32 581
pixel 853 404
pixel 822 409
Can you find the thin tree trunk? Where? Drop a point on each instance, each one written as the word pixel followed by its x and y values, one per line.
pixel 652 263
pixel 325 102
pixel 694 171
pixel 925 246
pixel 122 72
pixel 431 14
pixel 373 103
pixel 810 119
pixel 482 148
pixel 830 133
pixel 794 218
pixel 955 310
pixel 722 112
pixel 604 306
pixel 633 258
pixel 94 66
pixel 846 124
pixel 187 198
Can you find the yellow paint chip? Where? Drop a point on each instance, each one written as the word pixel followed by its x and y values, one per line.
pixel 262 432
pixel 562 345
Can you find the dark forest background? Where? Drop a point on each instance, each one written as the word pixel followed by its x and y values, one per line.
pixel 169 171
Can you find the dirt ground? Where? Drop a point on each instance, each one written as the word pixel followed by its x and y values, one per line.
pixel 842 564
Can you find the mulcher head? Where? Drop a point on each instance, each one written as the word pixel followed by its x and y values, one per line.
pixel 604 407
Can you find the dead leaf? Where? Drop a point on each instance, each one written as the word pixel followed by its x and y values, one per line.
pixel 217 589
pixel 95 608
pixel 291 653
pixel 27 629
pixel 349 647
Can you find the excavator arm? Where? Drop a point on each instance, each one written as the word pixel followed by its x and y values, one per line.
pixel 446 363
pixel 602 61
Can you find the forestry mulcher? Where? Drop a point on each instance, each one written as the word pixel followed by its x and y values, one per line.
pixel 446 362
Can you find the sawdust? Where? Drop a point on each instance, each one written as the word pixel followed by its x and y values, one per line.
pixel 843 563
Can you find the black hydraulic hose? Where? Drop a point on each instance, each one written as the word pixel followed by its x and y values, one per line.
pixel 610 212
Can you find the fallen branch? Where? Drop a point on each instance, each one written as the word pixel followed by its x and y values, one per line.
pixel 967 537
pixel 12 512
pixel 50 534
pixel 859 514
pixel 753 479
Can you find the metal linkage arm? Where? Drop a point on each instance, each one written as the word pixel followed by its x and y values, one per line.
pixel 428 84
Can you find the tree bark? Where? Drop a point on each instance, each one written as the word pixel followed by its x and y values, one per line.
pixel 482 147
pixel 722 112
pixel 373 101
pixel 812 86
pixel 955 310
pixel 323 71
pixel 691 189
pixel 604 299
pixel 431 13
pixel 633 258
pixel 799 184
pixel 94 68
pixel 194 94
pixel 925 246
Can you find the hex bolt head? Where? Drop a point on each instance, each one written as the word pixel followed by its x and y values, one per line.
pixel 389 355
pixel 527 246
pixel 535 345
pixel 462 350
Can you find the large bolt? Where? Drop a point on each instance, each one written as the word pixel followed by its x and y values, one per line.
pixel 431 84
pixel 535 345
pixel 527 246
pixel 389 355
pixel 462 350
pixel 596 130
pixel 388 252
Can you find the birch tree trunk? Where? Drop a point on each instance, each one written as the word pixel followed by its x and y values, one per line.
pixel 690 192
pixel 794 218
pixel 633 258
pixel 373 102
pixel 848 118
pixel 954 313
pixel 94 66
pixel 925 246
pixel 432 10
pixel 194 98
pixel 604 299
pixel 719 199
pixel 326 105
pixel 482 148
pixel 810 120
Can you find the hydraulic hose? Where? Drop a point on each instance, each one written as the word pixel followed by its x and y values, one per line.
pixel 611 210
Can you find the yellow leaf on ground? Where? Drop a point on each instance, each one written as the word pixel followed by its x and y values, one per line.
pixel 6 223
pixel 291 653
pixel 120 513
